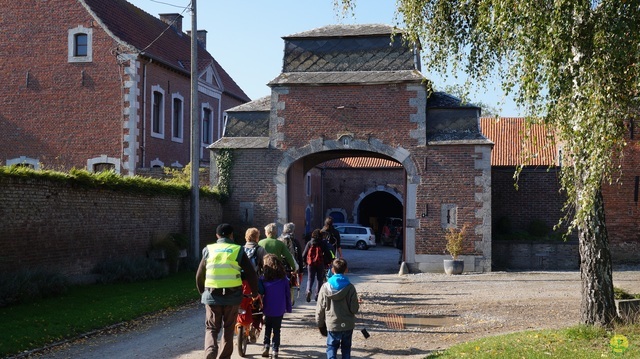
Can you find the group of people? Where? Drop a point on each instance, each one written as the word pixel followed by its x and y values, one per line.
pixel 267 267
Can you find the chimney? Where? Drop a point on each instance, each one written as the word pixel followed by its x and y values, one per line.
pixel 175 20
pixel 201 35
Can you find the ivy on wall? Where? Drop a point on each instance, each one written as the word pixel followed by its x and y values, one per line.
pixel 224 163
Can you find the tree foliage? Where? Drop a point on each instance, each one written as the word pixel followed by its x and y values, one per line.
pixel 572 64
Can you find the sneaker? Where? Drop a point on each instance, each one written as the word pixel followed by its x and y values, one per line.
pixel 275 354
pixel 265 351
pixel 308 297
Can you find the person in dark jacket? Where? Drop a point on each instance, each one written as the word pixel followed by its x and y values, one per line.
pixel 336 310
pixel 315 269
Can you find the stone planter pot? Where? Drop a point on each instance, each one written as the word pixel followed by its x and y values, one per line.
pixel 453 266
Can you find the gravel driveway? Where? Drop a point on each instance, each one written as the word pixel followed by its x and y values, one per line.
pixel 407 316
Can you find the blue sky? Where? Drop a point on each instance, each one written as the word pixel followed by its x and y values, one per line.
pixel 245 37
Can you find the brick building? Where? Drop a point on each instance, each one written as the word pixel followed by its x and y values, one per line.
pixel 348 91
pixel 101 84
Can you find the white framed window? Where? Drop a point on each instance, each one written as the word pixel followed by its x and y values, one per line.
pixel 206 129
pixel 80 44
pixel 157 163
pixel 177 118
pixel 32 163
pixel 103 163
pixel 157 112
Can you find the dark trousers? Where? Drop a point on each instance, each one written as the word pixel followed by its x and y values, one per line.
pixel 315 273
pixel 272 324
pixel 219 317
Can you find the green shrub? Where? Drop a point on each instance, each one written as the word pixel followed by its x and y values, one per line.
pixel 30 284
pixel 129 270
pixel 620 293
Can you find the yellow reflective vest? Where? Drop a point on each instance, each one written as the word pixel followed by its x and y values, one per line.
pixel 223 270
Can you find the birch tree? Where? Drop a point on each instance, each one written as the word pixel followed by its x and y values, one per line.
pixel 572 64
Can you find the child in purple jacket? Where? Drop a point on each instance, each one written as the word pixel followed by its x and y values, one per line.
pixel 274 286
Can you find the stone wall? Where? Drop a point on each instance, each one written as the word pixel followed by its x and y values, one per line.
pixel 535 255
pixel 69 229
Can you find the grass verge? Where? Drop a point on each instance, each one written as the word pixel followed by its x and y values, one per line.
pixel 85 308
pixel 571 343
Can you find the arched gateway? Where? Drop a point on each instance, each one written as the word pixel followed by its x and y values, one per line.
pixel 348 91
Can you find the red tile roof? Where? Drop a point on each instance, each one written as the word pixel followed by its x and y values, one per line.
pixel 361 162
pixel 508 134
pixel 149 35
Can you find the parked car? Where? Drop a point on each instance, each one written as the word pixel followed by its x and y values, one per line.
pixel 355 235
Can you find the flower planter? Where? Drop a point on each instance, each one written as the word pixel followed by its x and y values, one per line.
pixel 453 266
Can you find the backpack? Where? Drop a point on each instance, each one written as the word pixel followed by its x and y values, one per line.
pixel 252 253
pixel 329 237
pixel 315 256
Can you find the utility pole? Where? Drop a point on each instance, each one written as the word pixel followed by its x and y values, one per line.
pixel 195 140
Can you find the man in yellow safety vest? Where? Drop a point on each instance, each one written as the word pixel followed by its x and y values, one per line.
pixel 219 282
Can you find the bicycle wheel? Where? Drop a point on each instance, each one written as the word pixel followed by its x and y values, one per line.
pixel 242 341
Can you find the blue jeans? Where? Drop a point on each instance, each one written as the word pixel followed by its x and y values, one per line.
pixel 340 340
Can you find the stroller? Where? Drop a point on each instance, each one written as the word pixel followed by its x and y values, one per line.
pixel 249 321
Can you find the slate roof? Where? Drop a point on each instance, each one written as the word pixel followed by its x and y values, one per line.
pixel 348 54
pixel 444 100
pixel 508 134
pixel 347 30
pixel 353 77
pixel 149 36
pixel 241 142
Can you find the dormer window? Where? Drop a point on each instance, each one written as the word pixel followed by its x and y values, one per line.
pixel 80 44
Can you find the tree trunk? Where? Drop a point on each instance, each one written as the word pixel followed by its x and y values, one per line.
pixel 598 305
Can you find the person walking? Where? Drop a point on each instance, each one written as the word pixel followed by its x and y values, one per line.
pixel 219 283
pixel 315 254
pixel 336 310
pixel 272 245
pixel 253 250
pixel 331 235
pixel 288 238
pixel 274 286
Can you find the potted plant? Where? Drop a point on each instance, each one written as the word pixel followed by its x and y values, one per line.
pixel 455 245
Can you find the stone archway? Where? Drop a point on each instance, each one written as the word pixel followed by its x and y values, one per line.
pixel 345 145
pixel 392 191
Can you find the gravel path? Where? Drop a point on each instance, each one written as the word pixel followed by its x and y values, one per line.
pixel 407 316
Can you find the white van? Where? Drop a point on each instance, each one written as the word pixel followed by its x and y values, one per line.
pixel 355 235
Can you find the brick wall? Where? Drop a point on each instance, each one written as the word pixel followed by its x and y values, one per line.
pixel 537 197
pixel 58 112
pixel 69 229
pixel 439 166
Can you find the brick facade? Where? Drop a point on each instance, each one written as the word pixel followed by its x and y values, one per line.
pixel 59 112
pixel 69 229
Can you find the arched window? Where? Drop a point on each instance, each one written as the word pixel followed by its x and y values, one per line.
pixel 80 41
pixel 103 163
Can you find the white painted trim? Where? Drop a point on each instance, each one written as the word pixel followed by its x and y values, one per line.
pixel 157 163
pixel 180 137
pixel 71 37
pixel 160 134
pixel 24 160
pixel 103 159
